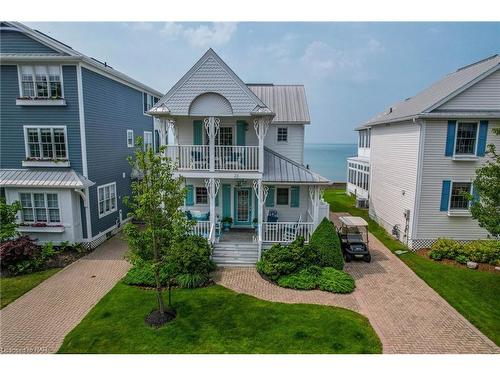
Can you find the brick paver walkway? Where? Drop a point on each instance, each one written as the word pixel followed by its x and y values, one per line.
pixel 407 314
pixel 38 321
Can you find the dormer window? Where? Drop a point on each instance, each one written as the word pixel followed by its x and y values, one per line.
pixel 41 81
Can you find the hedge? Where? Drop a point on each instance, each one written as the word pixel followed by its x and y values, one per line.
pixel 327 242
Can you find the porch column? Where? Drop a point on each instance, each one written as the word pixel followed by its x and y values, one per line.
pixel 314 194
pixel 212 127
pixel 212 185
pixel 261 125
pixel 261 193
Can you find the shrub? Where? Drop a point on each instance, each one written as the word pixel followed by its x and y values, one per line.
pixel 8 212
pixel 333 280
pixel 327 243
pixel 190 256
pixel 461 259
pixel 142 275
pixel 305 279
pixel 486 251
pixel 445 248
pixel 191 281
pixel 20 249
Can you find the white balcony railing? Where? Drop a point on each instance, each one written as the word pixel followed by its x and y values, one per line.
pixel 190 157
pixel 226 158
pixel 286 231
pixel 201 228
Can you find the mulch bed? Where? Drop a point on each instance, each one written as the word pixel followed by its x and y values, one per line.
pixel 481 266
pixel 155 319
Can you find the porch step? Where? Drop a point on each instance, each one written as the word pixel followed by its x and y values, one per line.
pixel 235 253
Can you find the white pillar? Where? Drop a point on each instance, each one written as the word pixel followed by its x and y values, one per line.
pixel 316 205
pixel 212 127
pixel 212 186
pixel 261 192
pixel 261 124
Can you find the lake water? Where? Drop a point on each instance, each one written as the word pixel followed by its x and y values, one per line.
pixel 329 160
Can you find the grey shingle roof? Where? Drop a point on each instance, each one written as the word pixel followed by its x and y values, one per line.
pixel 287 101
pixel 43 178
pixel 442 90
pixel 278 168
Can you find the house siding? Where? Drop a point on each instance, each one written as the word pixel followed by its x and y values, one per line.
pixel 484 95
pixel 16 42
pixel 13 117
pixel 294 148
pixel 110 109
pixel 393 174
pixel 436 167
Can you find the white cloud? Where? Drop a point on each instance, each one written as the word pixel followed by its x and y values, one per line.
pixel 215 34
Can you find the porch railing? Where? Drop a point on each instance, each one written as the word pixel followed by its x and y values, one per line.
pixel 226 158
pixel 286 231
pixel 201 228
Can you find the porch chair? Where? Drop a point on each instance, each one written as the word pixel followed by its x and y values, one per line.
pixel 290 231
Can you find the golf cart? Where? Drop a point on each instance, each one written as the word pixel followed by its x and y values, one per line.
pixel 353 234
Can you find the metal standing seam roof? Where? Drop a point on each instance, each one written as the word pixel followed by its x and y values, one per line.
pixel 43 178
pixel 287 101
pixel 441 90
pixel 278 168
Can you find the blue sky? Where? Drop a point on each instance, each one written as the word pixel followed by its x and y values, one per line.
pixel 351 70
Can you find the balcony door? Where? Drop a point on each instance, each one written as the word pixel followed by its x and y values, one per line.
pixel 242 206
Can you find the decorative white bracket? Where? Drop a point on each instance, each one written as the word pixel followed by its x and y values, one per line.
pixel 84 197
pixel 216 124
pixel 264 190
pixel 261 125
pixel 212 185
pixel 311 193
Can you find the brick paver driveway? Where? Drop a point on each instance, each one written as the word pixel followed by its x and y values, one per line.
pixel 407 314
pixel 38 321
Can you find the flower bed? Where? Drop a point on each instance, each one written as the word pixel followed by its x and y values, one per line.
pixel 481 251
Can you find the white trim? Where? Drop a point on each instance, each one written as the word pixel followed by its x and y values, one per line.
pixel 278 142
pixel 41 102
pixel 81 115
pixel 106 213
pixel 196 203
pixel 144 138
pixel 47 229
pixel 26 148
pixel 458 210
pixel 456 156
pixel 420 167
pixel 130 131
pixel 31 192
pixel 45 163
pixel 86 206
pixel 33 67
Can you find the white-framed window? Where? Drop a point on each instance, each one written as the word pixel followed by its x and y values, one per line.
pixel 40 81
pixel 282 196
pixel 358 175
pixel 458 198
pixel 106 195
pixel 148 140
pixel 364 138
pixel 282 134
pixel 46 142
pixel 201 195
pixel 224 136
pixel 130 138
pixel 40 207
pixel 148 101
pixel 466 138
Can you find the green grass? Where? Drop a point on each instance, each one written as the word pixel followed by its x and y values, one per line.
pixel 217 320
pixel 472 293
pixel 11 288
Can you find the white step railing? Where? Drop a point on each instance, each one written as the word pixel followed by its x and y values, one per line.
pixel 201 228
pixel 286 231
pixel 237 158
pixel 189 157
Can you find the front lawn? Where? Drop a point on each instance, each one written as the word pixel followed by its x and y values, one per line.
pixel 14 287
pixel 217 320
pixel 474 294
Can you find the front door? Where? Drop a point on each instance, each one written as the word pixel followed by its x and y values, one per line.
pixel 242 207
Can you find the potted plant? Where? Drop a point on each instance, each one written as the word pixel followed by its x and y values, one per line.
pixel 226 223
pixel 255 223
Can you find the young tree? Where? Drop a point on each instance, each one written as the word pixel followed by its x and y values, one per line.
pixel 486 209
pixel 155 202
pixel 8 225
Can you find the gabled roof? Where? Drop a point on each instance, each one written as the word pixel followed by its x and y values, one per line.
pixel 438 93
pixel 37 178
pixel 209 75
pixel 287 101
pixel 65 53
pixel 278 168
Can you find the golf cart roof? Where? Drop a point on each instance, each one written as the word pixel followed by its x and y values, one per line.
pixel 353 221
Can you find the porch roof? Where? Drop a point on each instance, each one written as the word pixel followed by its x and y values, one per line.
pixel 43 178
pixel 278 168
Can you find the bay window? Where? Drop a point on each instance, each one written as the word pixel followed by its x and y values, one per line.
pixel 40 207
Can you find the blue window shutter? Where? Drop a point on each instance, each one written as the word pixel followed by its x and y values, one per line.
pixel 241 127
pixel 197 132
pixel 481 139
pixel 445 195
pixel 450 137
pixel 295 196
pixel 189 195
pixel 270 197
pixel 226 200
pixel 145 101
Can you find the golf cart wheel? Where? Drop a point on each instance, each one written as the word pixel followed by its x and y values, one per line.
pixel 367 258
pixel 347 257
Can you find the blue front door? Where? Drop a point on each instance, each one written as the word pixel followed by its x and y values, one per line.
pixel 242 206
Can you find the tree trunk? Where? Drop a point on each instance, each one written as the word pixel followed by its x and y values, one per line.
pixel 159 294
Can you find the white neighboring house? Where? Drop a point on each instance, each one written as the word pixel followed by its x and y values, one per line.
pixel 240 149
pixel 423 152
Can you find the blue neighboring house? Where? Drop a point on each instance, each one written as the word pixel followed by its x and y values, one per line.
pixel 67 124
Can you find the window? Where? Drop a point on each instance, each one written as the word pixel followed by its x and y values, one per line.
pixel 106 195
pixel 148 140
pixel 282 135
pixel 40 207
pixel 458 200
pixel 201 195
pixel 41 81
pixel 46 142
pixel 282 196
pixel 358 175
pixel 466 138
pixel 148 101
pixel 364 138
pixel 225 136
pixel 130 138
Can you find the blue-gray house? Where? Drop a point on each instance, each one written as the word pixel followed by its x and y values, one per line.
pixel 62 150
